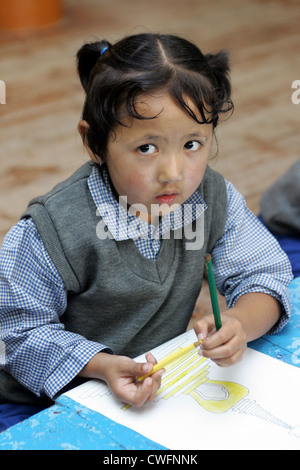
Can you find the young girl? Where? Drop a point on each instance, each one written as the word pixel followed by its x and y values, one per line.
pixel 109 264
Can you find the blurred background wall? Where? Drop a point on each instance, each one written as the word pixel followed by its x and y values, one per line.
pixel 39 143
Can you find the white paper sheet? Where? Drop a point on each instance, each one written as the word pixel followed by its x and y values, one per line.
pixel 254 404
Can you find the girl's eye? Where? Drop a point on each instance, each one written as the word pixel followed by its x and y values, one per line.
pixel 192 145
pixel 147 149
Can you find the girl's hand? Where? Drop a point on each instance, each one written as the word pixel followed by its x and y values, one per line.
pixel 121 373
pixel 225 346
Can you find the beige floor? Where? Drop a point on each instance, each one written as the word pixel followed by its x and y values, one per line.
pixel 39 141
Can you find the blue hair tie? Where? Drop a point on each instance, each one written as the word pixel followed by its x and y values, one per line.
pixel 103 50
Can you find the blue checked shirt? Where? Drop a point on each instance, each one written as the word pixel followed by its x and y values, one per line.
pixel 44 357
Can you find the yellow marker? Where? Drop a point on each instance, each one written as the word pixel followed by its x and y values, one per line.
pixel 172 357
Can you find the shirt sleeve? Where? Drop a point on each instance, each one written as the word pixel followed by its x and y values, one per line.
pixel 248 258
pixel 39 352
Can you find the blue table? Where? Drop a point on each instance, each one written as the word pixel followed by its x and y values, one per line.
pixel 285 345
pixel 69 425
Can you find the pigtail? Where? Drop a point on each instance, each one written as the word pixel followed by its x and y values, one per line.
pixel 219 65
pixel 219 75
pixel 87 57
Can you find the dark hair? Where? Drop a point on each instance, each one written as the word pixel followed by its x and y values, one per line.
pixel 144 63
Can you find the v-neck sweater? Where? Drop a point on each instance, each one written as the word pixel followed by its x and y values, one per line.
pixel 116 296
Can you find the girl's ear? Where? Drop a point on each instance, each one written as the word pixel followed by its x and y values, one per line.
pixel 83 128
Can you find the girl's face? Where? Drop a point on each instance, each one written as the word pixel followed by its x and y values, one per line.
pixel 158 163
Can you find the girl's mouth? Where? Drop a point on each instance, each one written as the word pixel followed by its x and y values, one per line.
pixel 166 198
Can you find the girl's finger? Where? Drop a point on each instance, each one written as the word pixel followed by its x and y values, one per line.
pixel 150 358
pixel 204 327
pixel 224 352
pixel 218 338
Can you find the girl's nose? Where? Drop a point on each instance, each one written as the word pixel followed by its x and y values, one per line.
pixel 170 170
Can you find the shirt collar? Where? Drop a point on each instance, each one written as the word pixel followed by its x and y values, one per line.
pixel 123 225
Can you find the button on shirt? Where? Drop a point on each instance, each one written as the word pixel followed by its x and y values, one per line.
pixel 44 357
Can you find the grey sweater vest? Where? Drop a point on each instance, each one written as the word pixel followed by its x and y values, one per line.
pixel 116 296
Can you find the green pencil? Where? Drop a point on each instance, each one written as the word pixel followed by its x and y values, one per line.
pixel 213 291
